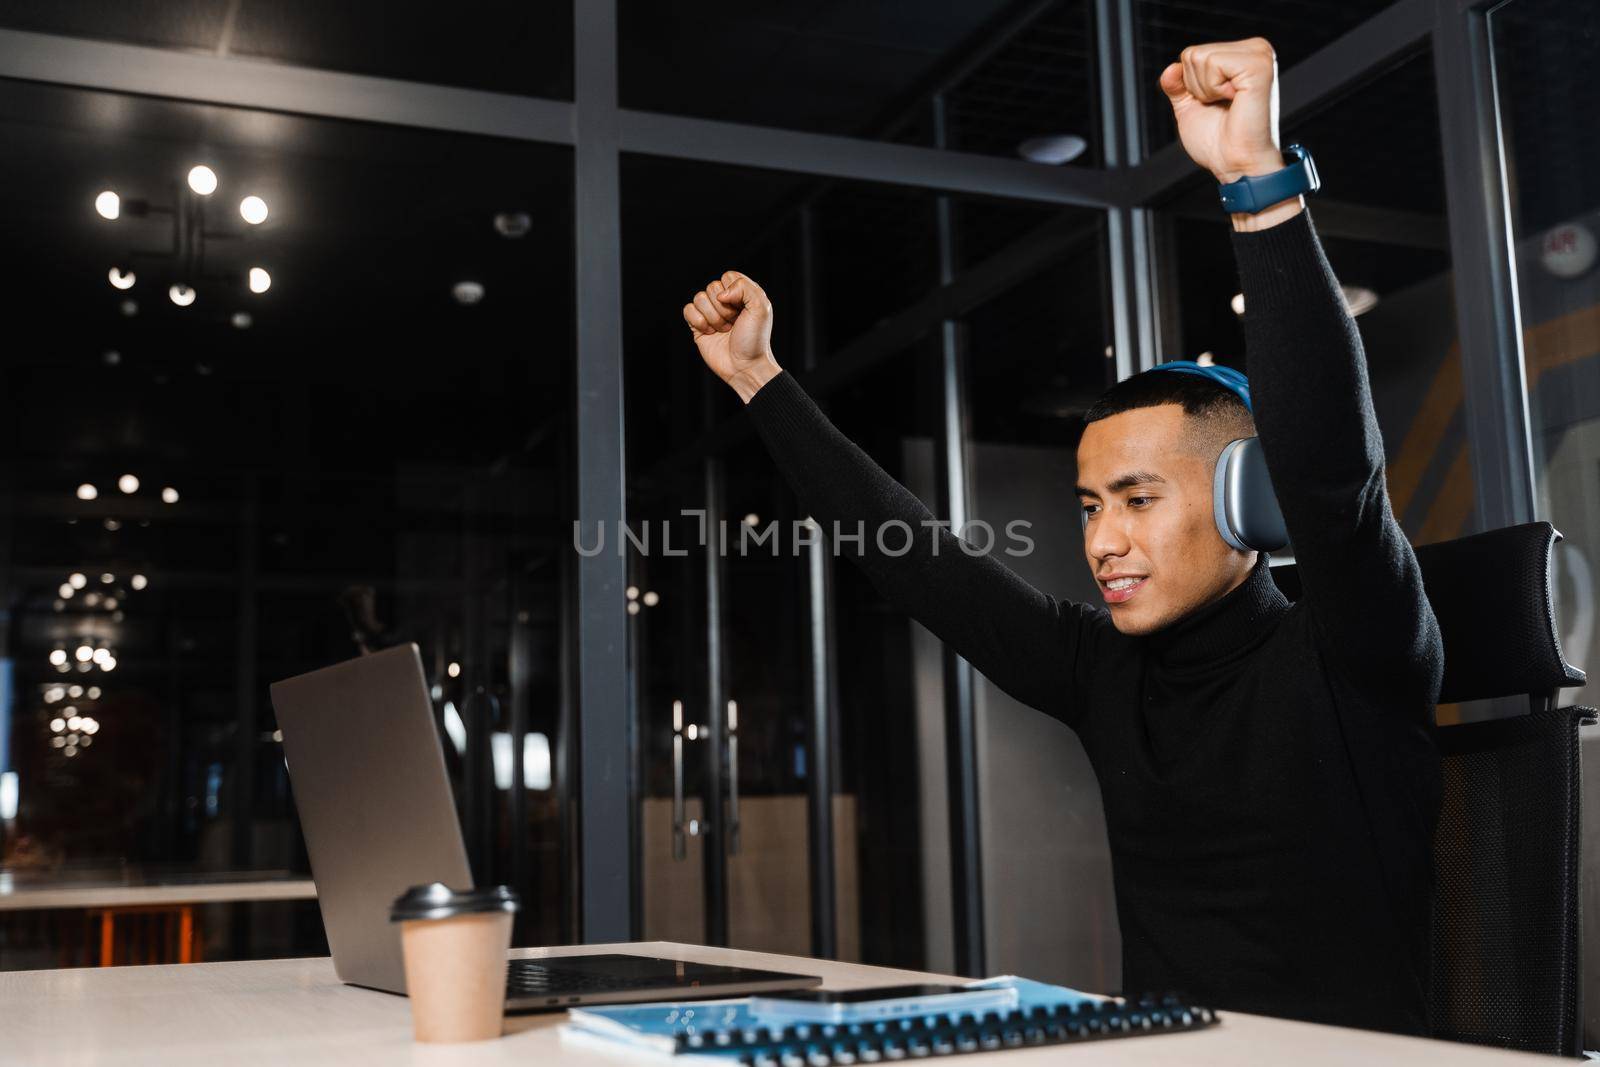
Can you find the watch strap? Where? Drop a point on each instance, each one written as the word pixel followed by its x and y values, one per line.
pixel 1254 193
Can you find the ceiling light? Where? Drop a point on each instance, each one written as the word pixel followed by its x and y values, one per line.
pixel 1237 303
pixel 752 519
pixel 454 670
pixel 87 492
pixel 253 210
pixel 138 581
pixel 84 654
pixel 130 308
pixel 467 292
pixel 111 603
pixel 94 692
pixel 260 280
pixel 651 599
pixel 108 204
pixel 75 691
pixel 112 524
pixel 632 592
pixel 57 725
pixel 1054 149
pixel 203 180
pixel 58 657
pixel 120 278
pixel 241 320
pixel 181 295
pixel 65 592
pixel 91 726
pixel 128 483
pixel 169 495
pixel 112 357
pixel 75 722
pixel 53 694
pixel 77 580
pixel 512 224
pixel 101 655
pixel 1358 299
pixel 1206 359
pixel 107 578
pixel 633 607
pixel 109 663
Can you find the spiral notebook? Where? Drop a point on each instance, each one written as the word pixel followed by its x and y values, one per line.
pixel 730 1032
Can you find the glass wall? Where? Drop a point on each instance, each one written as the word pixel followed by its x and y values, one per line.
pixel 247 438
pixel 1555 216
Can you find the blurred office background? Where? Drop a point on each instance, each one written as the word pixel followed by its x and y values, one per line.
pixel 245 438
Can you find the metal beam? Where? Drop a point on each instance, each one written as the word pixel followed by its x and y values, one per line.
pixel 235 82
pixel 1488 315
pixel 604 715
pixel 1132 275
pixel 708 141
pixel 1388 36
pixel 960 686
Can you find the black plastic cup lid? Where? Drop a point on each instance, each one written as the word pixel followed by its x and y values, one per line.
pixel 438 901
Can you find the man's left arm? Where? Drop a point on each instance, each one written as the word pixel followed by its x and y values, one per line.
pixel 1309 390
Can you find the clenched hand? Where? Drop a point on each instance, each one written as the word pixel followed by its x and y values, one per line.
pixel 731 320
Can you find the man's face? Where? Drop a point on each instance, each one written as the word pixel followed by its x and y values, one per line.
pixel 1147 491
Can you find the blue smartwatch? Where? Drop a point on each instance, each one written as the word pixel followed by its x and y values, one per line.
pixel 1252 194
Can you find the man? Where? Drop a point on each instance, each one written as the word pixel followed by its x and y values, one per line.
pixel 1270 783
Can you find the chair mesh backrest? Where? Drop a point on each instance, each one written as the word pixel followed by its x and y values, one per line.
pixel 1506 921
pixel 1506 930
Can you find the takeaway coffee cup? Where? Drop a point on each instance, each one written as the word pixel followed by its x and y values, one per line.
pixel 455 944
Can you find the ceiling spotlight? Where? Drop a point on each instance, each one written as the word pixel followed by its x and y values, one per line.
pixel 58 657
pixel 253 210
pixel 169 495
pixel 112 357
pixel 241 320
pixel 65 591
pixel 112 524
pixel 108 204
pixel 181 295
pixel 90 726
pixel 454 670
pixel 94 692
pixel 84 654
pixel 74 692
pixel 128 483
pixel 651 599
pixel 512 224
pixel 1358 299
pixel 203 180
pixel 130 308
pixel 111 603
pixel 1054 149
pixel 87 492
pixel 633 609
pixel 75 722
pixel 1206 359
pixel 57 725
pixel 260 280
pixel 1237 303
pixel 109 663
pixel 107 578
pixel 138 581
pixel 101 655
pixel 77 580
pixel 120 279
pixel 467 292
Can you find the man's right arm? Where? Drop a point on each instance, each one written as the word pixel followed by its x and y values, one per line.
pixel 1030 644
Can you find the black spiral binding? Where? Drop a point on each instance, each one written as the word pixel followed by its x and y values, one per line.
pixel 842 1045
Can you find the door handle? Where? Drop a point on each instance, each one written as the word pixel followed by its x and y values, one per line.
pixel 732 726
pixel 682 828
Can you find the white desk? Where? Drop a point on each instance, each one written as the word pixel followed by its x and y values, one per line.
pixel 16 895
pixel 295 1012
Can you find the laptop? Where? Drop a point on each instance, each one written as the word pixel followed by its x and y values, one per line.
pixel 378 816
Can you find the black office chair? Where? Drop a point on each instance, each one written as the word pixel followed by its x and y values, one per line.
pixel 1507 930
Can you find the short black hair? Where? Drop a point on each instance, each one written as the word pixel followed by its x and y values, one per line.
pixel 1218 411
pixel 1199 396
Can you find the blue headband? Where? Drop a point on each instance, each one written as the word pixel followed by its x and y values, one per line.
pixel 1226 377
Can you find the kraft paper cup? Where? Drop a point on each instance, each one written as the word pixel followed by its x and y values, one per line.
pixel 455 947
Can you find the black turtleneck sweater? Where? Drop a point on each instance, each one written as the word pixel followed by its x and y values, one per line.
pixel 1269 778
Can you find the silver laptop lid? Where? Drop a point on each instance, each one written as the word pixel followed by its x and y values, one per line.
pixel 374 799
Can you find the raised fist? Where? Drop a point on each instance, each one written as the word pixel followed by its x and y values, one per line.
pixel 731 320
pixel 1225 98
